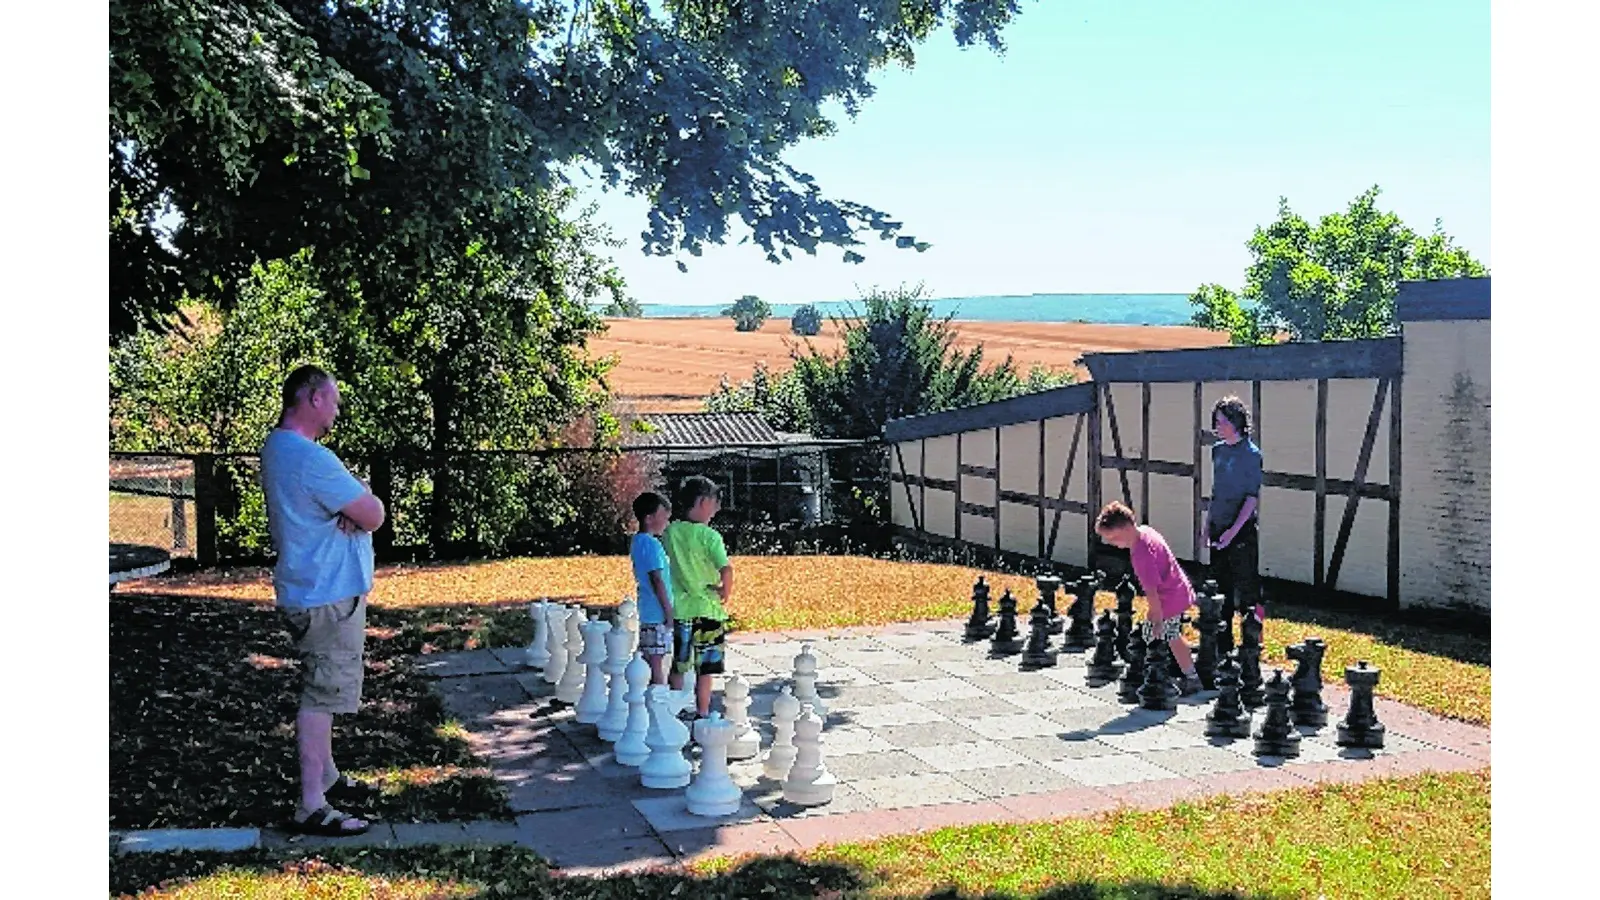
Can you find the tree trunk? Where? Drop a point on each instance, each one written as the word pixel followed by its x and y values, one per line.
pixel 441 396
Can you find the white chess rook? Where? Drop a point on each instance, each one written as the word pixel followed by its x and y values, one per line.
pixel 780 756
pixel 805 682
pixel 615 718
pixel 556 627
pixel 570 687
pixel 712 792
pixel 746 742
pixel 809 782
pixel 592 703
pixel 538 653
pixel 631 750
pixel 666 768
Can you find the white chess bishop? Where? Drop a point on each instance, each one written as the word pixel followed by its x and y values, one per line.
pixel 805 682
pixel 538 652
pixel 712 792
pixel 809 782
pixel 780 756
pixel 556 629
pixel 746 741
pixel 666 768
pixel 570 687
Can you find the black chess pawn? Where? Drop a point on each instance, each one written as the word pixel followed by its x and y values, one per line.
pixel 1048 585
pixel 1104 665
pixel 1249 650
pixel 1157 692
pixel 1276 736
pixel 1228 718
pixel 1080 628
pixel 1125 595
pixel 981 624
pixel 1208 587
pixel 1133 676
pixel 1006 640
pixel 1307 707
pixel 1038 655
pixel 1361 727
pixel 1207 623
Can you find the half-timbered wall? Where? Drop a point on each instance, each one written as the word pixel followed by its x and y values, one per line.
pixel 1024 475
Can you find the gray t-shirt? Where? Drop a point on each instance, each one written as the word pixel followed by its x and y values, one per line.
pixel 1235 475
pixel 306 485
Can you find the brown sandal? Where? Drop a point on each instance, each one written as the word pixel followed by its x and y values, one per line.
pixel 327 822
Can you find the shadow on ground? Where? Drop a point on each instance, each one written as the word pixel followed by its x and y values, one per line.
pixel 504 872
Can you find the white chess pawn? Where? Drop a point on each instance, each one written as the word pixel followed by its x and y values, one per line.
pixel 809 782
pixel 615 718
pixel 592 703
pixel 628 619
pixel 666 768
pixel 538 652
pixel 712 792
pixel 570 687
pixel 556 626
pixel 805 682
pixel 630 749
pixel 780 756
pixel 746 741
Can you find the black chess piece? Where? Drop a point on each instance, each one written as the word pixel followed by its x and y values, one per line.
pixel 1048 585
pixel 1228 718
pixel 1276 736
pixel 1125 595
pixel 1208 587
pixel 1038 655
pixel 1307 707
pixel 1104 665
pixel 1006 640
pixel 1250 691
pixel 981 625
pixel 1361 727
pixel 1157 691
pixel 1133 676
pixel 1080 628
pixel 1208 622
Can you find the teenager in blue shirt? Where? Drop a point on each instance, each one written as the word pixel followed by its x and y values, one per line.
pixel 1231 520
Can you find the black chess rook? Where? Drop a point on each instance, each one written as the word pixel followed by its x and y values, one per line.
pixel 1306 707
pixel 980 625
pixel 1277 735
pixel 1049 586
pixel 1361 727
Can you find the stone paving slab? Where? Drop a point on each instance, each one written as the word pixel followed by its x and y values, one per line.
pixel 164 839
pixel 460 664
pixel 381 834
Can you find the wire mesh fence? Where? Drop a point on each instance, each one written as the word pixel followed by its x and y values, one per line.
pixel 210 506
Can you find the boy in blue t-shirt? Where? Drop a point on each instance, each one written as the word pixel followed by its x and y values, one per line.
pixel 652 575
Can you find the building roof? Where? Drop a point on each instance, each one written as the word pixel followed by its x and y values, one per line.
pixel 701 430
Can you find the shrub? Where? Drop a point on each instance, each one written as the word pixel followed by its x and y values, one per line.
pixel 806 321
pixel 748 312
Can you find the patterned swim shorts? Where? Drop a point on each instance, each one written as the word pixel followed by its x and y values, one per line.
pixel 697 646
pixel 655 639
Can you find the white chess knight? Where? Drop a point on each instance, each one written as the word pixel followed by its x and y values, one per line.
pixel 666 768
pixel 780 756
pixel 538 653
pixel 805 682
pixel 746 741
pixel 556 628
pixel 712 792
pixel 615 718
pixel 630 749
pixel 809 782
pixel 592 702
pixel 570 687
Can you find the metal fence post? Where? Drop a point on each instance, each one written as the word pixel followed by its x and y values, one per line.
pixel 205 509
pixel 383 488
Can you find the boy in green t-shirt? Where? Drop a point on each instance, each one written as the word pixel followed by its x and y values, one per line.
pixel 702 581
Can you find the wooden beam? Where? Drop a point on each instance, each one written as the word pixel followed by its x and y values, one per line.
pixel 1294 482
pixel 991 472
pixel 976 509
pixel 1347 521
pixel 1255 414
pixel 922 474
pixel 1295 361
pixel 1041 487
pixel 916 517
pixel 1065 401
pixel 1146 466
pixel 1320 524
pixel 1195 477
pixel 1092 472
pixel 1144 452
pixel 996 477
pixel 1021 497
pixel 1116 444
pixel 958 487
pixel 1061 494
pixel 205 509
pixel 1394 489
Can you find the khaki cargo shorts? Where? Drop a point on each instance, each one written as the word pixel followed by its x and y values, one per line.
pixel 330 639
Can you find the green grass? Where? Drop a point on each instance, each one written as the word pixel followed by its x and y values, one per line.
pixel 1425 836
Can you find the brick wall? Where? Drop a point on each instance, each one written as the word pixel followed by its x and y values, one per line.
pixel 1444 505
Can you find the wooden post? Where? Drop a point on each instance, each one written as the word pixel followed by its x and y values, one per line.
pixel 1092 474
pixel 1195 509
pixel 180 515
pixel 997 488
pixel 383 488
pixel 205 509
pixel 1320 531
pixel 1041 489
pixel 922 485
pixel 1394 490
pixel 1144 453
pixel 958 486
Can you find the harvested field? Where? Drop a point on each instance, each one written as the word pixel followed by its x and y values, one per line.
pixel 670 365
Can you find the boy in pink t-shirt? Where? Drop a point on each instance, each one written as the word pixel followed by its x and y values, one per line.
pixel 1165 586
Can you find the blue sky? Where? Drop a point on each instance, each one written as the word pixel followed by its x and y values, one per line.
pixel 1131 146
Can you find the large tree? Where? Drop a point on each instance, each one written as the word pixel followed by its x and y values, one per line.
pixel 388 135
pixel 1332 281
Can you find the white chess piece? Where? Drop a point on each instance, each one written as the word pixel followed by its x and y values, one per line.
pixel 805 682
pixel 556 625
pixel 592 703
pixel 615 718
pixel 780 756
pixel 538 653
pixel 712 792
pixel 628 619
pixel 809 782
pixel 630 749
pixel 570 687
pixel 746 741
pixel 666 769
